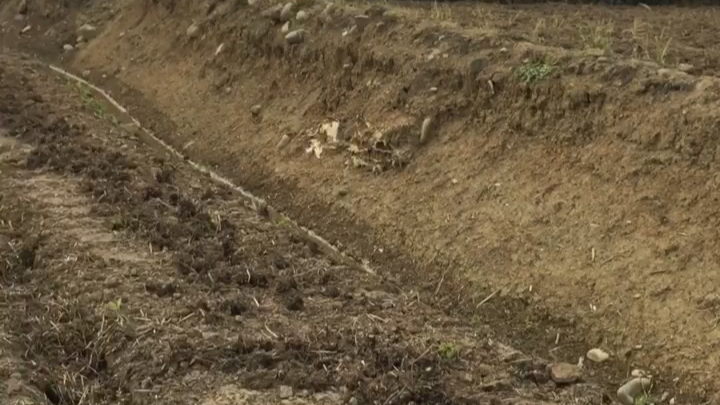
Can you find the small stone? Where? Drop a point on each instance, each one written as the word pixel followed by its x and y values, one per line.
pixel 686 68
pixel 286 392
pixel 633 389
pixel 433 89
pixel 301 15
pixel 79 39
pixel 285 28
pixel 192 30
pixel 256 109
pixel 287 12
pixel 86 73
pixel 503 50
pixel 283 142
pixel 87 28
pixel 219 49
pixel 426 129
pixel 353 401
pixel 23 7
pixel 26 29
pixel 564 373
pixel 597 355
pixel 68 47
pixel 273 13
pixel 295 37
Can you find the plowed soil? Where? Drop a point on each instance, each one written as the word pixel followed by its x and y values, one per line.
pixel 562 196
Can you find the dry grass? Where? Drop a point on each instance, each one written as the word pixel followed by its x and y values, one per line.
pixel 597 35
pixel 649 45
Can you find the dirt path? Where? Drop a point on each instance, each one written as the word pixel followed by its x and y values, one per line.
pixel 129 278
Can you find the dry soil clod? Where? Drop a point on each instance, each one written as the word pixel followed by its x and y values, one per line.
pixel 564 373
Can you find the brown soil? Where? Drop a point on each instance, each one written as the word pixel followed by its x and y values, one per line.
pixel 569 174
pixel 128 278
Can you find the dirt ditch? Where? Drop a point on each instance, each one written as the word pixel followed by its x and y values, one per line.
pixel 129 278
pixel 545 171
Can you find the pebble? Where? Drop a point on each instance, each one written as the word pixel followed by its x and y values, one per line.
pixel 219 49
pixel 68 47
pixel 283 142
pixel 287 12
pixel 426 129
pixel 686 68
pixel 503 50
pixel 295 37
pixel 192 30
pixel 301 15
pixel 273 13
pixel 597 355
pixel 286 392
pixel 285 28
pixel 86 73
pixel 26 29
pixel 564 373
pixel 255 110
pixel 633 389
pixel 87 28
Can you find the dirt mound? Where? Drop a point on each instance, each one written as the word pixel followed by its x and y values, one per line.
pixel 560 158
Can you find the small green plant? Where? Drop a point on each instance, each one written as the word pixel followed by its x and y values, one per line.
pixel 643 399
pixel 93 104
pixel 534 71
pixel 115 306
pixel 448 351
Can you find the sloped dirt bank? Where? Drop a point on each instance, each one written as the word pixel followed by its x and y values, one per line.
pixel 580 201
pixel 127 278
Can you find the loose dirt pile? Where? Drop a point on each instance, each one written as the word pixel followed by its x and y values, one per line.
pixel 560 160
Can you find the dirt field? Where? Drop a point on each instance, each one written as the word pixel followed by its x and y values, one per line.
pixel 545 176
pixel 128 278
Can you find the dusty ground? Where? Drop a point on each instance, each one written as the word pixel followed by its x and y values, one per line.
pixel 569 173
pixel 128 278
